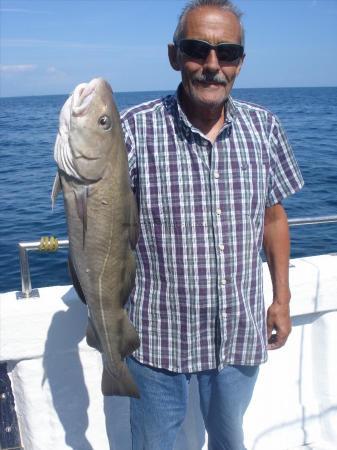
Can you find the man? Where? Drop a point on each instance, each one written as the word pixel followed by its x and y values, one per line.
pixel 209 174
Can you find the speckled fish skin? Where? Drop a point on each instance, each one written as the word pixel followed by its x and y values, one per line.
pixel 102 224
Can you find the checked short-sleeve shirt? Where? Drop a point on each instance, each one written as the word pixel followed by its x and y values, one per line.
pixel 198 302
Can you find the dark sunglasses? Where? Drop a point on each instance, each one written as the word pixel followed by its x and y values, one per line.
pixel 197 49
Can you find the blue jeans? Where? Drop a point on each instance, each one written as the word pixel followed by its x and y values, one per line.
pixel 158 415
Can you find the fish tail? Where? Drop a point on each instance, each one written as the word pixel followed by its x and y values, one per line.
pixel 121 385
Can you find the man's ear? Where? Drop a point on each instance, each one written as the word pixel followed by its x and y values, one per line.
pixel 173 56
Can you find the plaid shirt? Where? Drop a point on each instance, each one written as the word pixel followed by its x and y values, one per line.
pixel 198 301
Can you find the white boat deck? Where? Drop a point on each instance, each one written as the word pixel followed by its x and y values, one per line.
pixel 56 377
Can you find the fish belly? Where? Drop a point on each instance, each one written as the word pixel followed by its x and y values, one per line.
pixel 104 265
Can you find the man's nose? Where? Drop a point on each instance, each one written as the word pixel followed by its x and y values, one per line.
pixel 211 63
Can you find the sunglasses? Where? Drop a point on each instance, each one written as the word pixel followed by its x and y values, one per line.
pixel 197 49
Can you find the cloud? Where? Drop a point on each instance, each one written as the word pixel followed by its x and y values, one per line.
pixel 55 73
pixel 21 10
pixel 51 44
pixel 51 70
pixel 17 68
pixel 13 10
pixel 33 43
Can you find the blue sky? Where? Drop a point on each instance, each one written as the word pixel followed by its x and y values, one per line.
pixel 49 46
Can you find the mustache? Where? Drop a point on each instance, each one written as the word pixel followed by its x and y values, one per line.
pixel 211 78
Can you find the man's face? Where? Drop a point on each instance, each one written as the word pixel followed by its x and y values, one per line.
pixel 208 82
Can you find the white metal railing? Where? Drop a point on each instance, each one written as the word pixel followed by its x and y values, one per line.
pixel 51 244
pixel 312 220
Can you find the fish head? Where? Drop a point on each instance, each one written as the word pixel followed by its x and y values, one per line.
pixel 90 123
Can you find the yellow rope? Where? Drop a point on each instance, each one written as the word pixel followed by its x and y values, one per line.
pixel 48 244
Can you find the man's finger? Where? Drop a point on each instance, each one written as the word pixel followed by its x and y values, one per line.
pixel 276 340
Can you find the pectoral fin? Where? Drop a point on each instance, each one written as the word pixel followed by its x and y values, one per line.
pixel 129 341
pixel 57 187
pixel 81 199
pixel 75 281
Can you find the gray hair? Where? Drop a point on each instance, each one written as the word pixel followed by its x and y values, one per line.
pixel 225 5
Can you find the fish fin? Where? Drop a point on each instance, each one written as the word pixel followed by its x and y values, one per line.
pixel 57 188
pixel 122 385
pixel 91 336
pixel 81 196
pixel 129 337
pixel 76 283
pixel 134 222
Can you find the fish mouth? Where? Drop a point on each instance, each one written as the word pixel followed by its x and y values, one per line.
pixel 82 97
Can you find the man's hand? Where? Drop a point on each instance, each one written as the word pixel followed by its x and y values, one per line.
pixel 278 325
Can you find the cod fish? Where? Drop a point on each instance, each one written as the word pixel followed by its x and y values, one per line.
pixel 102 220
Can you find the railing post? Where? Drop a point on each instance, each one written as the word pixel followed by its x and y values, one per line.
pixel 46 244
pixel 26 284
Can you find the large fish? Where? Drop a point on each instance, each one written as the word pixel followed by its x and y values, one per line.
pixel 102 224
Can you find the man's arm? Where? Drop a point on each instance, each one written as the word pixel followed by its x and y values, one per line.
pixel 276 244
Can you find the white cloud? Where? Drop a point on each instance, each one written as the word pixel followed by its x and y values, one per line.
pixel 52 44
pixel 33 43
pixel 21 10
pixel 13 10
pixel 55 73
pixel 51 69
pixel 17 68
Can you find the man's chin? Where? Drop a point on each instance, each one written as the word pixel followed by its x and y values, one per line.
pixel 209 101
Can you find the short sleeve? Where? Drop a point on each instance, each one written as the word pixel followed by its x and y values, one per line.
pixel 284 176
pixel 131 150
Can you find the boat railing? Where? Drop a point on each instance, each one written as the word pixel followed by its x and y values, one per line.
pixel 46 244
pixel 52 244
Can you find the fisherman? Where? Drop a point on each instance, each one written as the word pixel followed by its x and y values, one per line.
pixel 209 173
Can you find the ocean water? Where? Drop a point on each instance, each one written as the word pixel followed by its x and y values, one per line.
pixel 28 127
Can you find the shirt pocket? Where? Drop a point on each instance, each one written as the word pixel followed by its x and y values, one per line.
pixel 248 186
pixel 246 198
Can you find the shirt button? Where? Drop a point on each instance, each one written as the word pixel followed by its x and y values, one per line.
pixel 218 211
pixel 222 247
pixel 223 282
pixel 216 175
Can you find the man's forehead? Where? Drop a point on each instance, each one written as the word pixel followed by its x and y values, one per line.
pixel 213 22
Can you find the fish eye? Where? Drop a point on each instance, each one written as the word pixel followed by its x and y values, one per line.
pixel 105 122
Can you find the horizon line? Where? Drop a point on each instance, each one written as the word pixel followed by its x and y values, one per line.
pixel 171 90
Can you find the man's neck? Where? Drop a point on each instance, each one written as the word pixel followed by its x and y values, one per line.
pixel 209 120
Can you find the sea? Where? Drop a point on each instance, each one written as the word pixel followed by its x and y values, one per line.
pixel 28 127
